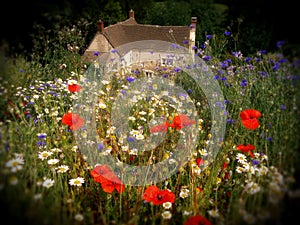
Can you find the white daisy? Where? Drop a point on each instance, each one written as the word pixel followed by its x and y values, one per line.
pixel 53 161
pixel 15 164
pixel 44 155
pixel 167 215
pixel 62 168
pixel 77 181
pixel 48 183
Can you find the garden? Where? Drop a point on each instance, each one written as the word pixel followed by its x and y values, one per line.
pixel 212 139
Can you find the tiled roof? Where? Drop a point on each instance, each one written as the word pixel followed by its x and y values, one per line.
pixel 120 34
pixel 129 31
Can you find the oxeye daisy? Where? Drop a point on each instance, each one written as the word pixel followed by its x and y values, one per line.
pixel 62 168
pixel 48 183
pixel 52 161
pixel 15 164
pixel 44 155
pixel 167 205
pixel 78 217
pixel 76 181
pixel 166 215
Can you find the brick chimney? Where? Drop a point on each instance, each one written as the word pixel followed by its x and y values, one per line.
pixel 100 25
pixel 192 41
pixel 131 14
pixel 193 22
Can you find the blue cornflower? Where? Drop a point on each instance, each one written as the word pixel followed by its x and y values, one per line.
pixel 123 92
pixel 183 95
pixel 270 139
pixel 263 52
pixel 130 79
pixel 227 84
pixel 236 54
pixel 185 42
pixel 255 162
pixel 244 83
pixel 279 44
pixel 227 33
pixel 203 46
pixel 219 104
pixel 114 50
pixel 96 53
pixel 276 66
pixel 247 59
pixel 100 146
pixel 41 143
pixel 258 59
pixel 282 107
pixel 220 71
pixel 207 58
pixel 230 121
pixel 263 73
pixel 131 139
pixel 41 135
pixel 284 60
pixel 224 64
pixel 188 67
pixel 177 69
pixel 173 45
pixel 209 36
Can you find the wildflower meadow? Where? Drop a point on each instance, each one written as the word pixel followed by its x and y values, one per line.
pixel 212 139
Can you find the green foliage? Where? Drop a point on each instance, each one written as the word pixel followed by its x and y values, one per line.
pixel 112 13
pixel 42 82
pixel 168 13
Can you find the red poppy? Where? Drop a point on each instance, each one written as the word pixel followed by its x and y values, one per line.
pixel 73 120
pixel 179 122
pixel 108 180
pixel 182 121
pixel 196 220
pixel 100 172
pixel 247 148
pixel 160 128
pixel 199 161
pixel 249 118
pixel 74 87
pixel 109 185
pixel 157 197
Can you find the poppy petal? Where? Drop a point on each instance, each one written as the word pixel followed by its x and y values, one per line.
pixel 251 124
pixel 74 88
pixel 250 114
pixel 160 128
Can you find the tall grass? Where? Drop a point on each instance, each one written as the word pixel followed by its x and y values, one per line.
pixel 39 156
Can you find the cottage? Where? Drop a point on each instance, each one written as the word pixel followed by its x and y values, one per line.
pixel 128 31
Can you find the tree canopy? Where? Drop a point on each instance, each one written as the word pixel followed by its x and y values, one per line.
pixel 257 24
